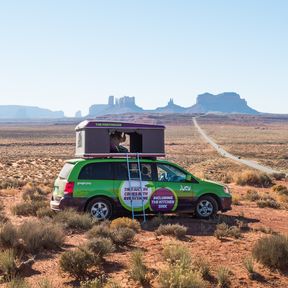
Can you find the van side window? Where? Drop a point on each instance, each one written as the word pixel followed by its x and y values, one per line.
pixel 121 172
pixel 147 172
pixel 168 173
pixel 96 171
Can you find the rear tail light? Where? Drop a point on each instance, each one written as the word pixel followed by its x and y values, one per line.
pixel 69 187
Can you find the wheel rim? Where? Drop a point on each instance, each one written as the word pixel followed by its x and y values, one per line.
pixel 99 210
pixel 205 208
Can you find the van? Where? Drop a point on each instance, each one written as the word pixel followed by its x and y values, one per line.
pixel 106 186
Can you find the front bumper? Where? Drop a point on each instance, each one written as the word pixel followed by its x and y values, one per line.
pixel 68 202
pixel 226 203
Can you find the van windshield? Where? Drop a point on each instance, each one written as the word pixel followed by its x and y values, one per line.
pixel 64 173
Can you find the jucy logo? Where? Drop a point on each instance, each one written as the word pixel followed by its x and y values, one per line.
pixel 185 188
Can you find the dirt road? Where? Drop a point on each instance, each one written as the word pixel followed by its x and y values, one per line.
pixel 224 153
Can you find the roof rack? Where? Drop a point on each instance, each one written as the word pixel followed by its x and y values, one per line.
pixel 93 139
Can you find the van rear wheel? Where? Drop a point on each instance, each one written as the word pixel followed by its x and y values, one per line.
pixel 206 207
pixel 99 208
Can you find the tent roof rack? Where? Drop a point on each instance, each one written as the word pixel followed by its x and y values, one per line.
pixel 121 155
pixel 116 125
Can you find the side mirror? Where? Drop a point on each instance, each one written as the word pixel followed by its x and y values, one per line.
pixel 188 178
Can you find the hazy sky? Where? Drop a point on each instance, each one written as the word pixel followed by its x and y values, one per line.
pixel 68 55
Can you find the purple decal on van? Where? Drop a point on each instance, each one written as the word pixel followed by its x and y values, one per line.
pixel 162 200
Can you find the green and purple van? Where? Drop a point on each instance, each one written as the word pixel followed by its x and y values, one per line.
pixel 104 188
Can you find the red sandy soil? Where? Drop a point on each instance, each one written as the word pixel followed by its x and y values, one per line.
pixel 200 240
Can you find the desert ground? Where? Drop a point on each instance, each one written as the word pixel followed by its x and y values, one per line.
pixel 33 154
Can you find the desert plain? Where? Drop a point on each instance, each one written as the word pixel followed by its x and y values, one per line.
pixel 32 154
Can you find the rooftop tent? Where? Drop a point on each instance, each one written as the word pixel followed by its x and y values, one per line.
pixel 93 139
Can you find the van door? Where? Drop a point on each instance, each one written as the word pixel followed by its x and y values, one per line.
pixel 173 192
pixel 129 193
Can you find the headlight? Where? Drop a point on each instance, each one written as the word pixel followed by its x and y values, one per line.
pixel 226 190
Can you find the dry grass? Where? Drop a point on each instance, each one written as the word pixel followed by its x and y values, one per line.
pixel 175 230
pixel 272 251
pixel 255 179
pixel 125 222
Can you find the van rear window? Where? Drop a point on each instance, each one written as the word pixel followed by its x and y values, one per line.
pixel 64 173
pixel 97 171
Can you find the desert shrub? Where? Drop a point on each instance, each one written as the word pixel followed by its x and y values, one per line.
pixel 10 183
pixel 253 178
pixel 223 277
pixel 100 230
pixel 138 269
pixel 101 246
pixel 227 178
pixel 252 195
pixel 33 193
pixel 156 221
pixel 8 235
pixel 279 176
pixel 280 189
pixel 236 200
pixel 18 283
pixel 268 202
pixel 33 236
pixel 175 252
pixel 45 212
pixel 249 266
pixel 177 275
pixel 235 232
pixel 175 230
pixel 266 230
pixel 77 262
pixel 281 198
pixel 125 222
pixel 28 208
pixel 72 219
pixel 122 236
pixel 3 218
pixel 272 251
pixel 203 267
pixel 95 283
pixel 223 231
pixel 112 284
pixel 38 235
pixel 119 236
pixel 7 263
pixel 45 283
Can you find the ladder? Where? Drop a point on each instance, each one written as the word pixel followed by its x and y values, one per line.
pixel 139 178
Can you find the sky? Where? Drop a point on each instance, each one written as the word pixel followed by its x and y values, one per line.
pixel 67 55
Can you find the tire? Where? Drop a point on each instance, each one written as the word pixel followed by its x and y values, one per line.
pixel 206 207
pixel 100 209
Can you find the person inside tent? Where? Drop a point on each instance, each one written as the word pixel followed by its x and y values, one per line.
pixel 115 139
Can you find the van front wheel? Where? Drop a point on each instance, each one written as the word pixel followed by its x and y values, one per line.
pixel 206 207
pixel 100 209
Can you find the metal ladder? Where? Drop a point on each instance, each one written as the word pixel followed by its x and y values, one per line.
pixel 140 184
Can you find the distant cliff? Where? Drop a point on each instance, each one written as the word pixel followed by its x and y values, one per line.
pixel 228 102
pixel 170 108
pixel 28 112
pixel 122 105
